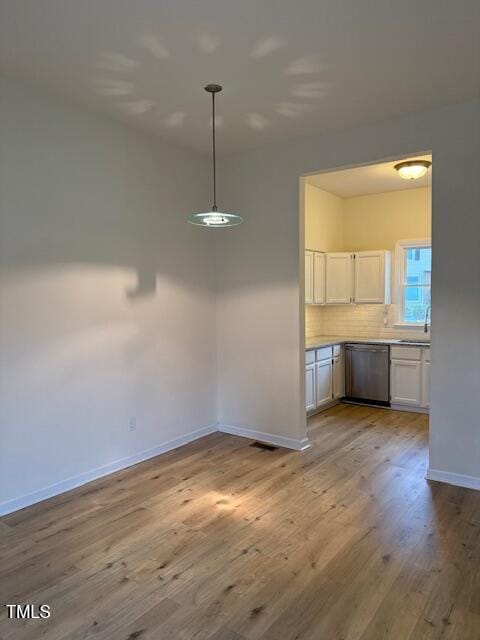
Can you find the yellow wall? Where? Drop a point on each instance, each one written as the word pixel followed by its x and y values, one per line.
pixel 378 221
pixel 361 223
pixel 323 220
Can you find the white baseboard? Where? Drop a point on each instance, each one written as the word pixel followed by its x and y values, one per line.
pixel 76 481
pixel 457 479
pixel 404 407
pixel 269 438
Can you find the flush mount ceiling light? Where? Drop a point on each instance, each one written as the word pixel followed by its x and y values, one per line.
pixel 214 218
pixel 413 169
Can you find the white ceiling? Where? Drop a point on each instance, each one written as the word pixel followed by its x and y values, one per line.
pixel 369 179
pixel 289 67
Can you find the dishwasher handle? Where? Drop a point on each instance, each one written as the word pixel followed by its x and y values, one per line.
pixel 366 347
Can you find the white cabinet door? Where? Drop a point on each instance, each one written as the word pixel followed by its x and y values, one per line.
pixel 308 277
pixel 310 403
pixel 323 375
pixel 426 385
pixel 372 277
pixel 318 277
pixel 405 387
pixel 339 274
pixel 338 378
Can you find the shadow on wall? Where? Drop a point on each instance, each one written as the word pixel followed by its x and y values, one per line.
pixel 77 189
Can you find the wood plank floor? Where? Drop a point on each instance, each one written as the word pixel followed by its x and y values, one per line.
pixel 222 541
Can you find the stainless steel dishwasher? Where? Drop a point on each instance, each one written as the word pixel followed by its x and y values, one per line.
pixel 367 373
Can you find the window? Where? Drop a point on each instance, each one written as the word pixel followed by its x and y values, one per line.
pixel 413 259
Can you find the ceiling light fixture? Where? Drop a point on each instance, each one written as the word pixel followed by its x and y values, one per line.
pixel 413 169
pixel 214 218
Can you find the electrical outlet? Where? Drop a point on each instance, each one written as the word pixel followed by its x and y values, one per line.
pixel 132 423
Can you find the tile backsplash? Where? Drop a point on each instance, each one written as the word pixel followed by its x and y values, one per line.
pixel 362 320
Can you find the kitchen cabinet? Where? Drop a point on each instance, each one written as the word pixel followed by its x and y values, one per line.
pixel 426 379
pixel 372 277
pixel 338 378
pixel 310 404
pixel 361 278
pixel 308 277
pixel 410 376
pixel 338 278
pixel 318 278
pixel 405 382
pixel 314 277
pixel 324 383
pixel 324 376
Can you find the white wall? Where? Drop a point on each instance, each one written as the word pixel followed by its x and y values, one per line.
pixel 260 315
pixel 87 207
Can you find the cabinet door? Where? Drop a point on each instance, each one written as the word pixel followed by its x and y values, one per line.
pixel 323 382
pixel 308 277
pixel 371 276
pixel 310 403
pixel 338 378
pixel 318 278
pixel 426 385
pixel 405 384
pixel 338 289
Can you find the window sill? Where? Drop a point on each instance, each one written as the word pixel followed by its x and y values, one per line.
pixel 413 327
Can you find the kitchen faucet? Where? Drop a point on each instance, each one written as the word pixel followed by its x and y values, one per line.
pixel 427 313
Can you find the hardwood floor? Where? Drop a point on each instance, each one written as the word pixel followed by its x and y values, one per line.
pixel 222 541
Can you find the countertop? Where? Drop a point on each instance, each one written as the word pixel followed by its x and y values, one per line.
pixel 326 341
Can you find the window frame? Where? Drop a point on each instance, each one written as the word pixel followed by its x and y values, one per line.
pixel 400 252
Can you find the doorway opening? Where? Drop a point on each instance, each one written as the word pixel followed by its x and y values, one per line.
pixel 368 286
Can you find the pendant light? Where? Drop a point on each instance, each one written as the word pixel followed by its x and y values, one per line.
pixel 214 218
pixel 413 169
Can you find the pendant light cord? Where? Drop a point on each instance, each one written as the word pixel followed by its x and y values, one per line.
pixel 214 208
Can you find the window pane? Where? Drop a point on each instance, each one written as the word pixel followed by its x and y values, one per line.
pixel 417 263
pixel 415 303
pixel 412 294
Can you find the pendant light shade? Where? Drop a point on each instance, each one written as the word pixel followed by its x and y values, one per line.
pixel 214 217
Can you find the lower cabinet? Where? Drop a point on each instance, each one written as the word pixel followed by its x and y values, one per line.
pixel 410 377
pixel 426 385
pixel 405 382
pixel 324 377
pixel 324 382
pixel 338 378
pixel 310 387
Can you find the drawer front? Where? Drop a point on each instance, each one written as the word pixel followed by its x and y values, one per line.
pixel 324 353
pixel 310 356
pixel 405 353
pixel 337 350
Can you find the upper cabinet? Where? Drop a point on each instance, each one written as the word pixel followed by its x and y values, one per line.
pixel 314 277
pixel 372 277
pixel 308 277
pixel 343 278
pixel 339 278
pixel 318 278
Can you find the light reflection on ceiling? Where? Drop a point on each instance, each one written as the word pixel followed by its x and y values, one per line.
pixel 304 67
pixel 208 44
